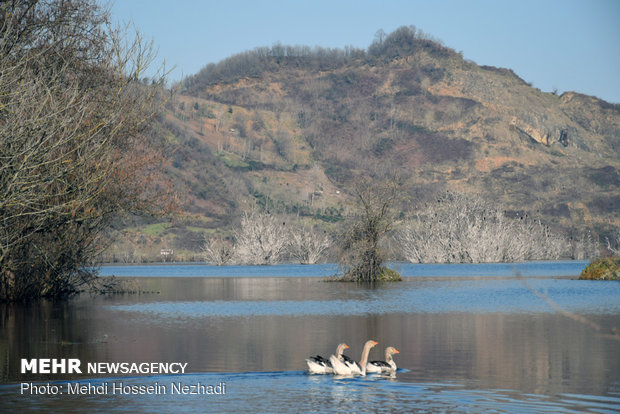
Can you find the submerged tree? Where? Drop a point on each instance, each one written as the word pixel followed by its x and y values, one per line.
pixel 306 244
pixel 462 228
pixel 613 246
pixel 260 239
pixel 218 250
pixel 74 149
pixel 362 255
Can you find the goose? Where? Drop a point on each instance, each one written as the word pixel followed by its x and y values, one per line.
pixel 319 365
pixel 351 367
pixel 384 366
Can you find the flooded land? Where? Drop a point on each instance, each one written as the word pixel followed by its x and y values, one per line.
pixel 471 338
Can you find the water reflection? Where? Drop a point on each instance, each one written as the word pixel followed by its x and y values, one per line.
pixel 482 334
pixel 297 297
pixel 285 392
pixel 529 269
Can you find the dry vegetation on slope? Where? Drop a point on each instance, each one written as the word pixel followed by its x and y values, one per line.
pixel 292 128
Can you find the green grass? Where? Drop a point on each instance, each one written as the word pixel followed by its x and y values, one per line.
pixel 233 161
pixel 200 229
pixel 387 275
pixel 156 229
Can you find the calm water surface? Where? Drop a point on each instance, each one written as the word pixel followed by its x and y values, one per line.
pixel 472 338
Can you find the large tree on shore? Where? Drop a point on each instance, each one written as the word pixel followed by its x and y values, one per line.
pixel 74 145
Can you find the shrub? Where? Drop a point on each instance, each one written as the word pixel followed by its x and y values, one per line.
pixel 604 268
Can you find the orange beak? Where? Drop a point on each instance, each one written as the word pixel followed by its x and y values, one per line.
pixel 346 347
pixel 396 351
pixel 375 342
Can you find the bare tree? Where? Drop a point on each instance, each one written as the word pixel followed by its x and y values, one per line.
pixel 584 246
pixel 464 228
pixel 260 239
pixel 614 245
pixel 362 256
pixel 379 36
pixel 307 245
pixel 73 146
pixel 218 250
pixel 284 145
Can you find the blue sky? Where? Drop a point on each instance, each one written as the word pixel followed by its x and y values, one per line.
pixel 568 45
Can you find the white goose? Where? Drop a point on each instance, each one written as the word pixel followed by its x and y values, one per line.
pixel 319 365
pixel 351 367
pixel 387 366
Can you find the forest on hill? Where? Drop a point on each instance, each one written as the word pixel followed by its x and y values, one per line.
pixel 292 130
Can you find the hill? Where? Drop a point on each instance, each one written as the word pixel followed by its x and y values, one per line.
pixel 292 128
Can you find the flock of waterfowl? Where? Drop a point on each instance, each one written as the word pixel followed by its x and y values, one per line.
pixel 340 364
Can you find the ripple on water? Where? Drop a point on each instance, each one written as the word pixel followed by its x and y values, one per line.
pixel 437 296
pixel 296 391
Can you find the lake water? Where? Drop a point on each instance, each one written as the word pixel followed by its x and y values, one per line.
pixel 472 338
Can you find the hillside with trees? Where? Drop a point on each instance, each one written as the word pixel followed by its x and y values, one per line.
pixel 291 131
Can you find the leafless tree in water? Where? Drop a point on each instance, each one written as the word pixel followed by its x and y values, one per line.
pixel 614 245
pixel 362 255
pixel 218 250
pixel 463 228
pixel 260 239
pixel 307 244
